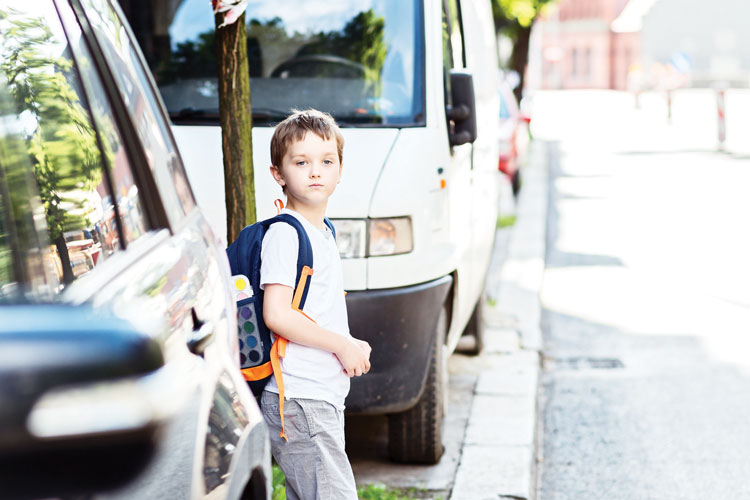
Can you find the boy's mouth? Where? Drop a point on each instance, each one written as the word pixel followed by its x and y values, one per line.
pixel 316 185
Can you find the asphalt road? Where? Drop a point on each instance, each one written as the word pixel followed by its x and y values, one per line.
pixel 645 390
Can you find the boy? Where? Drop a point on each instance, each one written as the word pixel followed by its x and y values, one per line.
pixel 306 156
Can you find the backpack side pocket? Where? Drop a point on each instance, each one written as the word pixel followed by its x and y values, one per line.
pixel 252 346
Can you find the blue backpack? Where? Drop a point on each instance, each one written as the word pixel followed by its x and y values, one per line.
pixel 259 350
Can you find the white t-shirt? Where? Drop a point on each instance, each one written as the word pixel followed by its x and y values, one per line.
pixel 309 373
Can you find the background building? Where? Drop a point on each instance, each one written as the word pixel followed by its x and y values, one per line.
pixel 586 44
pixel 708 41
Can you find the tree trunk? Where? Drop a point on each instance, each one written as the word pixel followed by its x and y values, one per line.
pixel 520 57
pixel 236 124
pixel 62 251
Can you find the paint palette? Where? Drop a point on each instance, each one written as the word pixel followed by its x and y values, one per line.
pixel 251 346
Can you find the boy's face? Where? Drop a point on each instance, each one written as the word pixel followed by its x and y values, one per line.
pixel 310 170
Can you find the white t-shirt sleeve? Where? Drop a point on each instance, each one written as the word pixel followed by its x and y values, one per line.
pixel 278 256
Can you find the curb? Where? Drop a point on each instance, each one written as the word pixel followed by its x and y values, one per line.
pixel 498 459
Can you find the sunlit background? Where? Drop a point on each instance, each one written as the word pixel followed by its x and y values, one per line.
pixel 645 105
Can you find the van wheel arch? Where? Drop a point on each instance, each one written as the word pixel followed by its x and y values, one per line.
pixel 255 489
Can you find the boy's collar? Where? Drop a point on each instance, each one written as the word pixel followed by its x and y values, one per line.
pixel 304 219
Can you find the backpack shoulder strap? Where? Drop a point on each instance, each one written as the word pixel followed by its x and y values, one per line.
pixel 304 255
pixel 330 226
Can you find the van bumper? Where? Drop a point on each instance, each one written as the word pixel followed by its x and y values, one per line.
pixel 399 324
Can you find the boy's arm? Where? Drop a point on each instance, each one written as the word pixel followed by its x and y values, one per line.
pixel 295 327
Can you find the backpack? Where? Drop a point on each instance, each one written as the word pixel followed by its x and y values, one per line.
pixel 260 351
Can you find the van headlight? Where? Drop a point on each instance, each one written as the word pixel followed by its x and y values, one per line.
pixel 351 237
pixel 357 238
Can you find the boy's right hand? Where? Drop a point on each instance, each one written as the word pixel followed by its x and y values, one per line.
pixel 354 359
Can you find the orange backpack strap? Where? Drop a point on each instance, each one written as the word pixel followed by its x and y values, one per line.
pixel 257 372
pixel 279 205
pixel 278 350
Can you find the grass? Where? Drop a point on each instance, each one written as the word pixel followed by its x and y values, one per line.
pixel 369 492
pixel 505 221
pixel 279 490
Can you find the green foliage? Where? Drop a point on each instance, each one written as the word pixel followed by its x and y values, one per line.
pixel 361 40
pixel 522 12
pixel 505 221
pixel 368 492
pixel 190 59
pixel 380 492
pixel 64 151
pixel 279 487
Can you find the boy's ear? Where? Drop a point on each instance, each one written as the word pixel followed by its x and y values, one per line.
pixel 277 175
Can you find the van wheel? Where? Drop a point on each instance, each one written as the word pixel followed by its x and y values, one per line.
pixel 416 435
pixel 475 328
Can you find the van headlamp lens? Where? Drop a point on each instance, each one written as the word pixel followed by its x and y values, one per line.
pixel 357 238
pixel 351 237
pixel 390 236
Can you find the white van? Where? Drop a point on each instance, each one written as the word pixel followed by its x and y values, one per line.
pixel 413 84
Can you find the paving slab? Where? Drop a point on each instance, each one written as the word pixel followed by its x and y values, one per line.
pixel 502 420
pixel 493 472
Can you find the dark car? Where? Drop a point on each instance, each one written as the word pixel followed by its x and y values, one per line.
pixel 119 373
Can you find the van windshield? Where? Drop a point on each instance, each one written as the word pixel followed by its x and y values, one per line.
pixel 360 60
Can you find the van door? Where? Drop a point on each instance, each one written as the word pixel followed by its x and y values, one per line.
pixel 481 60
pixel 460 172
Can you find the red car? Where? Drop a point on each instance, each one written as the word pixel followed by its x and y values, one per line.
pixel 514 136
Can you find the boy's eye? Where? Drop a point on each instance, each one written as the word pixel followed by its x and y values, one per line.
pixel 328 162
pixel 300 162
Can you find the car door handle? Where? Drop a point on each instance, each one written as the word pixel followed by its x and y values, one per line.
pixel 200 337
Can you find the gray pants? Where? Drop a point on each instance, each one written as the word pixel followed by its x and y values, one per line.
pixel 314 460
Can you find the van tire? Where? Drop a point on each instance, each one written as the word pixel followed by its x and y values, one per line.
pixel 416 435
pixel 475 328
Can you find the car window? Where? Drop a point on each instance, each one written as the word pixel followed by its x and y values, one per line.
pixel 7 277
pixel 20 210
pixel 69 201
pixel 138 94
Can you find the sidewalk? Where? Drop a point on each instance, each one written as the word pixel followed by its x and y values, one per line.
pixel 498 458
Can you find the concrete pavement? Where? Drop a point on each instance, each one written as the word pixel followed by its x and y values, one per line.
pixel 498 456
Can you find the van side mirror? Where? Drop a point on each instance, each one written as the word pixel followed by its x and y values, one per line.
pixel 463 112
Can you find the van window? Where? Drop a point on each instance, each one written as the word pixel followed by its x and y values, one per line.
pixel 57 165
pixel 360 61
pixel 454 31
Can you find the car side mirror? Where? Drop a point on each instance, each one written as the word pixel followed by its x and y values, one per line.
pixel 463 110
pixel 77 400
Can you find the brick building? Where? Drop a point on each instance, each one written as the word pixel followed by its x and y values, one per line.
pixel 586 44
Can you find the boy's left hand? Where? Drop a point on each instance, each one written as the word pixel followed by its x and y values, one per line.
pixel 364 346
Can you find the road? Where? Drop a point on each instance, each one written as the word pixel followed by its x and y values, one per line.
pixel 646 299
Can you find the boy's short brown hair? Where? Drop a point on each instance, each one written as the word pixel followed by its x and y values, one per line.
pixel 296 125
